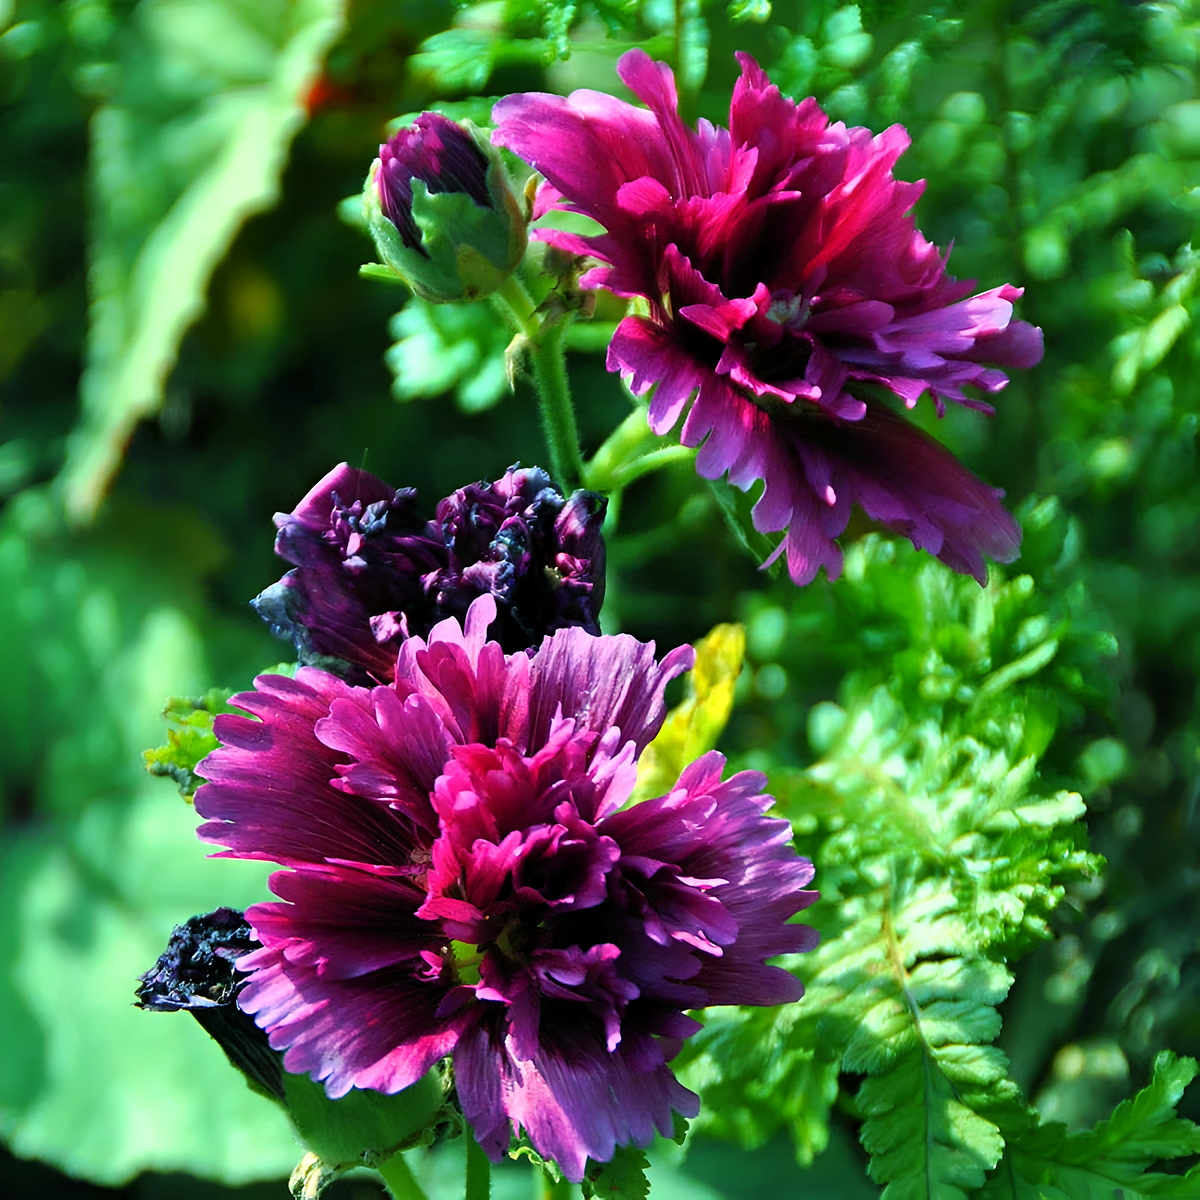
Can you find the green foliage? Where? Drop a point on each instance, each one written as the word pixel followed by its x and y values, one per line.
pixel 1009 664
pixel 1113 1158
pixel 623 1177
pixel 189 738
pixel 940 855
pixel 205 97
pixel 97 865
pixel 444 347
pixel 925 736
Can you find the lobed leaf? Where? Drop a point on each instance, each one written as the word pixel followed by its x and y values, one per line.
pixel 1115 1156
pixel 210 94
pixel 693 727
pixel 189 738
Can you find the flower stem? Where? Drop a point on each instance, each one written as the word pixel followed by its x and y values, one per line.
pixel 544 344
pixel 554 399
pixel 624 443
pixel 630 452
pixel 515 304
pixel 654 461
pixel 479 1170
pixel 399 1179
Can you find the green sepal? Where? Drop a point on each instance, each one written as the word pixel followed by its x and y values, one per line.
pixel 623 1177
pixel 466 251
pixel 364 1127
pixel 380 273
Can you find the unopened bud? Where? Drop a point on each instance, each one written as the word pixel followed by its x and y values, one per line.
pixel 441 210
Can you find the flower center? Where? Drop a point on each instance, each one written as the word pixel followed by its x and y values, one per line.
pixel 466 959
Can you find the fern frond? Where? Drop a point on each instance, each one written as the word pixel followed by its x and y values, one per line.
pixel 1115 1156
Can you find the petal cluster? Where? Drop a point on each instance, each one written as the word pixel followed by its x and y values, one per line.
pixel 782 272
pixel 464 880
pixel 369 571
pixel 442 155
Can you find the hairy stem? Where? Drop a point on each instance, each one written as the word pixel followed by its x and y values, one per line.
pixel 543 339
pixel 554 400
pixel 515 305
pixel 399 1179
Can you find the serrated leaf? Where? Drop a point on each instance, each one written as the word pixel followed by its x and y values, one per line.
pixel 923 1141
pixel 1115 1156
pixel 623 1177
pixel 444 347
pixel 939 856
pixel 211 93
pixel 693 727
pixel 189 738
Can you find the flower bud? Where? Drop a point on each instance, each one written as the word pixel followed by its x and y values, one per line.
pixel 440 208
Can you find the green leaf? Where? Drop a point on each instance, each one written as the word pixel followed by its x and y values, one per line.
pixel 91 887
pixel 210 94
pixel 623 1177
pixel 118 1090
pixel 693 727
pixel 444 347
pixel 189 738
pixel 939 856
pixel 1113 1158
pixel 756 11
pixel 462 59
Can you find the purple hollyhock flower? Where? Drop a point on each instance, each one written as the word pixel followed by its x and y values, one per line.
pixel 369 571
pixel 464 881
pixel 781 270
pixel 359 550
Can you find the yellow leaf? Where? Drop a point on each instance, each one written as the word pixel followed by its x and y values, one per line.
pixel 692 728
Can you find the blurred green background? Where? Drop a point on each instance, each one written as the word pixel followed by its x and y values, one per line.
pixel 186 346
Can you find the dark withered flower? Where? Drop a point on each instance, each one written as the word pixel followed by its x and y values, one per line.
pixel 196 974
pixel 369 572
pixel 540 555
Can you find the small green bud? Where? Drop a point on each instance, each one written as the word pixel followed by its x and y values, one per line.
pixel 442 212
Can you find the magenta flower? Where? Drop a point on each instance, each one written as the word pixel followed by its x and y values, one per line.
pixel 368 570
pixel 464 881
pixel 781 272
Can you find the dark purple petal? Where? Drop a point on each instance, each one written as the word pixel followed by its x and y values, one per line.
pixel 369 573
pixel 442 156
